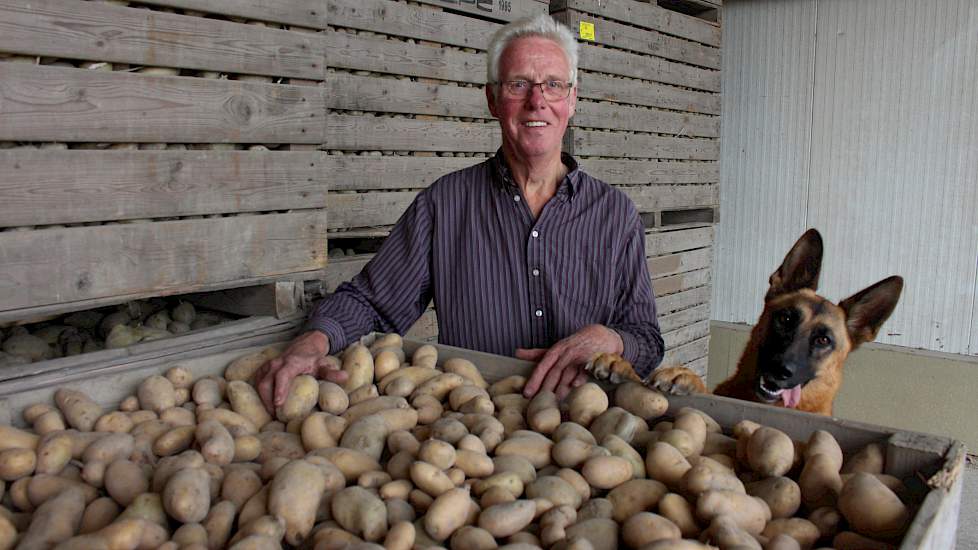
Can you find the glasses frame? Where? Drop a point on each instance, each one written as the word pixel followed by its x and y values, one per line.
pixel 504 87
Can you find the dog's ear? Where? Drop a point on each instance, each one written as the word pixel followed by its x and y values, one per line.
pixel 869 308
pixel 800 267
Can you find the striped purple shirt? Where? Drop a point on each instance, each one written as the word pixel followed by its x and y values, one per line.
pixel 500 279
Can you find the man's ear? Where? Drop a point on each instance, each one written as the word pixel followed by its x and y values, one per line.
pixel 800 268
pixel 868 309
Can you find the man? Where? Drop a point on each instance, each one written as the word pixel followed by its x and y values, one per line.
pixel 523 254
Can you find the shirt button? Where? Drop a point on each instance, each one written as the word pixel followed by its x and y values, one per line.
pixel 516 198
pixel 536 272
pixel 538 313
pixel 535 234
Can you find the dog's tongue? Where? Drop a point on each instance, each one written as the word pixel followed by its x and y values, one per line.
pixel 790 397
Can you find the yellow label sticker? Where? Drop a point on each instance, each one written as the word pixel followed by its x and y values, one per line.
pixel 587 31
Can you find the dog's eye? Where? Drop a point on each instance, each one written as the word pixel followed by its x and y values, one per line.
pixel 785 317
pixel 822 341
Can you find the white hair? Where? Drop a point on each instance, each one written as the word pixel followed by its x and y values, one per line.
pixel 541 25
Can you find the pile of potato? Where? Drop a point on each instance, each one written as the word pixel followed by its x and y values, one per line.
pixel 407 455
pixel 93 330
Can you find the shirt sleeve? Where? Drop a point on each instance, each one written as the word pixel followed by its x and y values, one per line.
pixel 634 318
pixel 392 290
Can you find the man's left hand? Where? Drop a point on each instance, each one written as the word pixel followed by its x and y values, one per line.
pixel 561 368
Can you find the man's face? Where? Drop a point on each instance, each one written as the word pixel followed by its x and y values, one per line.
pixel 533 127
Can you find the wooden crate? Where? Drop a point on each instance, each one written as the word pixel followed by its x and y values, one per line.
pixel 934 463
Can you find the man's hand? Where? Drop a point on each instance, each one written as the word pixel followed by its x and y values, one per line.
pixel 305 355
pixel 561 368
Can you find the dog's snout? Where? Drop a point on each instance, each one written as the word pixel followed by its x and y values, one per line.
pixel 782 373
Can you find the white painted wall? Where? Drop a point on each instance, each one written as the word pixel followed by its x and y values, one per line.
pixel 859 119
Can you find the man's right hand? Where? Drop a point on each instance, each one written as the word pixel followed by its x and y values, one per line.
pixel 305 355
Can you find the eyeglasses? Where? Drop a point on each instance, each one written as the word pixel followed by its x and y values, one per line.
pixel 553 90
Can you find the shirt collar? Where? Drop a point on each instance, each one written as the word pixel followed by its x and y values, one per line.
pixel 502 176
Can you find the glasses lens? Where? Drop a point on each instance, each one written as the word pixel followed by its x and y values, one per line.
pixel 552 89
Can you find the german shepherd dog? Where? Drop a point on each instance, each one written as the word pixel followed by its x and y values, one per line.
pixel 796 350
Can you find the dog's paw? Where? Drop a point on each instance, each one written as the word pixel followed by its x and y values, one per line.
pixel 677 381
pixel 611 367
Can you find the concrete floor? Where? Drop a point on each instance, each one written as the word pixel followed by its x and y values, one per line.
pixel 968 521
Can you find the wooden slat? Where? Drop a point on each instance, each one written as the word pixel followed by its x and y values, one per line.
pixel 500 10
pixel 343 269
pixel 367 209
pixel 646 15
pixel 687 334
pixel 613 116
pixel 687 352
pixel 678 283
pixel 349 172
pixel 59 266
pixel 43 187
pixel 425 328
pixel 660 242
pixel 64 104
pixel 365 93
pixel 643 172
pixel 401 19
pixel 373 53
pixel 699 366
pixel 654 198
pixel 348 132
pixel 647 93
pixel 620 144
pixel 105 32
pixel 682 300
pixel 648 42
pixel 617 62
pixel 673 321
pixel 303 13
pixel 280 299
pixel 681 262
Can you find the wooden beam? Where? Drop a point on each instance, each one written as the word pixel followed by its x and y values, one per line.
pixel 506 10
pixel 350 132
pixel 656 69
pixel 658 242
pixel 646 15
pixel 401 19
pixel 614 116
pixel 621 171
pixel 603 87
pixel 279 299
pixel 302 13
pixel 377 54
pixel 582 142
pixel 370 93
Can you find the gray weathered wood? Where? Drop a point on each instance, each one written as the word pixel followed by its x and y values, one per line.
pixel 104 32
pixel 686 317
pixel 643 172
pixel 647 42
pixel 659 242
pixel 365 93
pixel 678 283
pixel 351 132
pixel 279 299
pixel 612 116
pixel 343 269
pixel 85 186
pixel 686 334
pixel 688 352
pixel 500 10
pixel 653 198
pixel 374 53
pixel 64 104
pixel 578 141
pixel 604 87
pixel 656 69
pixel 345 173
pixel 680 301
pixel 646 15
pixel 425 328
pixel 681 262
pixel 368 209
pixel 303 13
pixel 57 266
pixel 401 19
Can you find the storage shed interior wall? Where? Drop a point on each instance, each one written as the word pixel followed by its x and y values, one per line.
pixel 859 119
pixel 162 147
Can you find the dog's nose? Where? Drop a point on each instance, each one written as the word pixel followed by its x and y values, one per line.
pixel 781 373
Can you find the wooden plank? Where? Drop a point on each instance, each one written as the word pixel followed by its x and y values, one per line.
pixel 656 69
pixel 367 209
pixel 620 144
pixel 647 42
pixel 645 15
pixel 347 172
pixel 663 242
pixel 377 54
pixel 58 266
pixel 341 270
pixel 682 300
pixel 401 19
pixel 349 132
pixel 605 87
pixel 425 328
pixel 365 93
pixel 671 264
pixel 107 32
pixel 303 13
pixel 499 10
pixel 678 283
pixel 687 352
pixel 614 116
pixel 279 299
pixel 686 334
pixel 83 186
pixel 699 366
pixel 688 316
pixel 654 198
pixel 644 172
pixel 62 104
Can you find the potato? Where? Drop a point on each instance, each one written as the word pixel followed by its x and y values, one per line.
pixel 666 464
pixel 17 463
pixel 54 521
pixel 645 527
pixel 466 369
pixel 819 481
pixel 351 462
pixel 870 460
pixel 78 409
pixel 99 513
pixel 678 510
pixel 215 442
pixel 555 489
pixel 640 400
pixel 506 519
pixel 782 495
pixel 218 524
pixel 368 435
pixel 634 496
pixel 726 533
pixel 601 533
pixel 302 397
pixel 535 449
pixel 802 530
pixel 245 401
pixel 156 394
pixel 750 513
pixel 187 496
pixel 359 366
pixel 701 478
pixel 606 472
pixel 770 452
pixel 243 368
pixel 447 513
pixel 823 442
pixel 871 508
pixel 361 512
pixel 294 495
pixel 585 402
pixel 124 481
pixel 472 538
